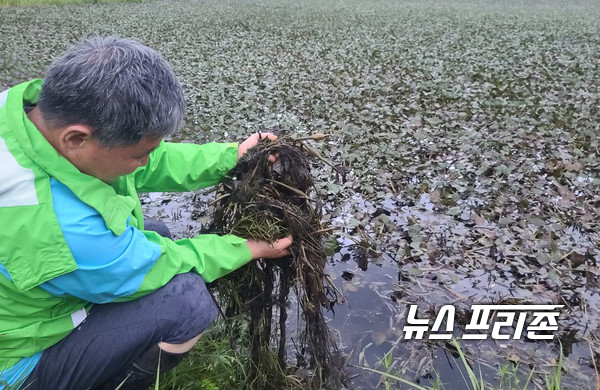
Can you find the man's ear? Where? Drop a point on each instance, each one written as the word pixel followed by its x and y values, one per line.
pixel 76 139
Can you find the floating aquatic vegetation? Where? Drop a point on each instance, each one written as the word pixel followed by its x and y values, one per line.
pixel 268 201
pixel 469 128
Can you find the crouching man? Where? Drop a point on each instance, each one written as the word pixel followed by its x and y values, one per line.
pixel 88 298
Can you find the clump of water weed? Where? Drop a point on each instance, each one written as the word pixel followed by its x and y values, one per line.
pixel 267 201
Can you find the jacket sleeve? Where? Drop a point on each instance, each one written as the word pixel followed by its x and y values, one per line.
pixel 181 167
pixel 210 255
pixel 135 263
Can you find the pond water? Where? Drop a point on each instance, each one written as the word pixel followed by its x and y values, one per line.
pixel 469 129
pixel 379 289
pixel 379 295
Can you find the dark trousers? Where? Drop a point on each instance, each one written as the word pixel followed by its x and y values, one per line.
pixel 119 340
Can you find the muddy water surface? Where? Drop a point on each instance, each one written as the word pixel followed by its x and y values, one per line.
pixel 380 282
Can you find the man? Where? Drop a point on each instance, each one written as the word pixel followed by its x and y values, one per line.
pixel 88 299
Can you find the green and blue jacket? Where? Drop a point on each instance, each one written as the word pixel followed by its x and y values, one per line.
pixel 69 240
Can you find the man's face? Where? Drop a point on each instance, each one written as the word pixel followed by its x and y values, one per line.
pixel 107 164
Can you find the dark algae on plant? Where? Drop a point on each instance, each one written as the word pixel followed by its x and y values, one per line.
pixel 268 201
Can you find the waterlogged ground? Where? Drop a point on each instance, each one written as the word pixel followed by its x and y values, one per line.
pixel 467 134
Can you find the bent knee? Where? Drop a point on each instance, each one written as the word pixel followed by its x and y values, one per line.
pixel 196 309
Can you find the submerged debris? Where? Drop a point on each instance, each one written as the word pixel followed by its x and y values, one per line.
pixel 268 201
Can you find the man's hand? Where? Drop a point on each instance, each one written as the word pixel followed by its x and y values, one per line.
pixel 263 249
pixel 252 141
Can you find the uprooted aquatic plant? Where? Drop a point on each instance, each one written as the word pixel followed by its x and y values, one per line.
pixel 268 201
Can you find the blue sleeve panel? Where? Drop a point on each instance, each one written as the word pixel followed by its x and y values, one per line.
pixel 110 266
pixel 17 374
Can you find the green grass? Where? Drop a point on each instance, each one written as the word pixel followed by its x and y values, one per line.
pixel 211 365
pixel 509 377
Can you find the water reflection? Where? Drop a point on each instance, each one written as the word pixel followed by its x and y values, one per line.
pixel 431 260
pixel 369 327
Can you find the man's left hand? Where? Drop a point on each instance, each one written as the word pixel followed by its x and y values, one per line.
pixel 252 141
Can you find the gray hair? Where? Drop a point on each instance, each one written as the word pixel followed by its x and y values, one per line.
pixel 122 89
